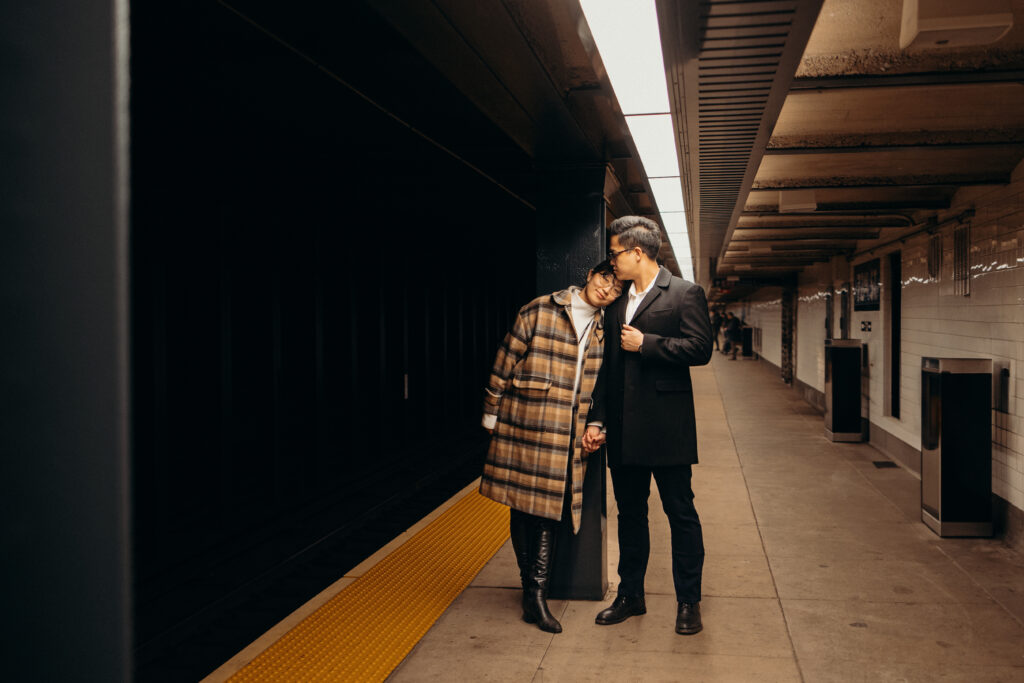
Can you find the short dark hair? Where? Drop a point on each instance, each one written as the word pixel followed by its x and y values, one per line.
pixel 637 231
pixel 603 268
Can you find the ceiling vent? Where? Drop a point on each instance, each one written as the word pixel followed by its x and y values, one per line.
pixel 954 23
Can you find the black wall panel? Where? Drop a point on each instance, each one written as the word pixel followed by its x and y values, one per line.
pixel 318 292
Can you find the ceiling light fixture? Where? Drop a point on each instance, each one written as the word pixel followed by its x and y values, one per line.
pixel 627 37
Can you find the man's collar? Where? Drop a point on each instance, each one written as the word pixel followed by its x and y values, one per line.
pixel 661 279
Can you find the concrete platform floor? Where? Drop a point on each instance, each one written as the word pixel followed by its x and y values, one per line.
pixel 818 568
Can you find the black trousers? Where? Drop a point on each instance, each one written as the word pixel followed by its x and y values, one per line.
pixel 632 486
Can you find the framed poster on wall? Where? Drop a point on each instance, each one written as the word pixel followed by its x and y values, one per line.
pixel 867 286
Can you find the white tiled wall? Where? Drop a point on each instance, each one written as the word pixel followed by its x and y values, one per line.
pixel 907 427
pixel 764 310
pixel 989 323
pixel 810 325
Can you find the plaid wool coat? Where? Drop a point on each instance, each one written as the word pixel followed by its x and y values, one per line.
pixel 531 392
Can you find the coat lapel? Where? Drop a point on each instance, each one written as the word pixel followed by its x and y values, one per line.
pixel 614 315
pixel 660 283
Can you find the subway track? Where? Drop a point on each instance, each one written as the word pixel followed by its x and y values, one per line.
pixel 198 644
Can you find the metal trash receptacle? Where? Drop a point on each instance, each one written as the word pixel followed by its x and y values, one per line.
pixel 956 446
pixel 843 420
pixel 747 342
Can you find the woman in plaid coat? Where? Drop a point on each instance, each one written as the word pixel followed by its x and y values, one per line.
pixel 536 407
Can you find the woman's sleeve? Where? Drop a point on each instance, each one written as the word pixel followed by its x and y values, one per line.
pixel 512 350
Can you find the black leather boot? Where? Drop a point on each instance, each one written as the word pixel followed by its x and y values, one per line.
pixel 535 595
pixel 519 524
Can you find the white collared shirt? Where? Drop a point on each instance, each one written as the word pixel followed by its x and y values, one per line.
pixel 636 297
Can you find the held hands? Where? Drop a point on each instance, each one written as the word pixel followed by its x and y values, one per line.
pixel 632 338
pixel 593 439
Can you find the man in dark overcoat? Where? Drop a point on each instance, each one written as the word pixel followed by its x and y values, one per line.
pixel 644 400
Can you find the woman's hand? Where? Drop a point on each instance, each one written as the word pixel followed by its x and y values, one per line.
pixel 593 438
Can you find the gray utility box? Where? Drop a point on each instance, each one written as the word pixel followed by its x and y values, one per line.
pixel 956 446
pixel 842 390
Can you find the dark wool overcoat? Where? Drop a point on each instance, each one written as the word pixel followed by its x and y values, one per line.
pixel 645 399
pixel 531 392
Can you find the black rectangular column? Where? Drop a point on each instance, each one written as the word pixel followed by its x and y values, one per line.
pixel 571 240
pixel 64 355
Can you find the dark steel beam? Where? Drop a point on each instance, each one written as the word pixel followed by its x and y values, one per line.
pixel 811 252
pixel 965 182
pixel 769 260
pixel 904 80
pixel 815 221
pixel 866 206
pixel 789 243
pixel 760 271
pixel 798 234
pixel 786 255
pixel 979 146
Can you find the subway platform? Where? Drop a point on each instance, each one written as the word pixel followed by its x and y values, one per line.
pixel 818 568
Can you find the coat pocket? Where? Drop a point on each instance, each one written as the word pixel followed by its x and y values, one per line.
pixel 529 384
pixel 672 385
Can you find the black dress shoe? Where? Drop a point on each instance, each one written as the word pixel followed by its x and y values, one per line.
pixel 622 608
pixel 688 618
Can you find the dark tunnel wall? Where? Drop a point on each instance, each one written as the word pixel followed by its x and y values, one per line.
pixel 296 254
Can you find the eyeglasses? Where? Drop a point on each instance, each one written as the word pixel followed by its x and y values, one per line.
pixel 609 282
pixel 612 255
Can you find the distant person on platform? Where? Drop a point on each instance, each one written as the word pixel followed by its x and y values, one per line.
pixel 536 407
pixel 716 326
pixel 733 333
pixel 644 400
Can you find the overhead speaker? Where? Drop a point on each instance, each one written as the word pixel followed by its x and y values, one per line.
pixel 954 23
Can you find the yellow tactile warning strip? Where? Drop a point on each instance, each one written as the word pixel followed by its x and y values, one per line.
pixel 366 630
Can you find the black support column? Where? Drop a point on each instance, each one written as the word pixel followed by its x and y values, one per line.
pixel 570 226
pixel 63 361
pixel 570 239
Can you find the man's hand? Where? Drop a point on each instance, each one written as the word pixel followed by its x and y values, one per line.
pixel 593 439
pixel 632 338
